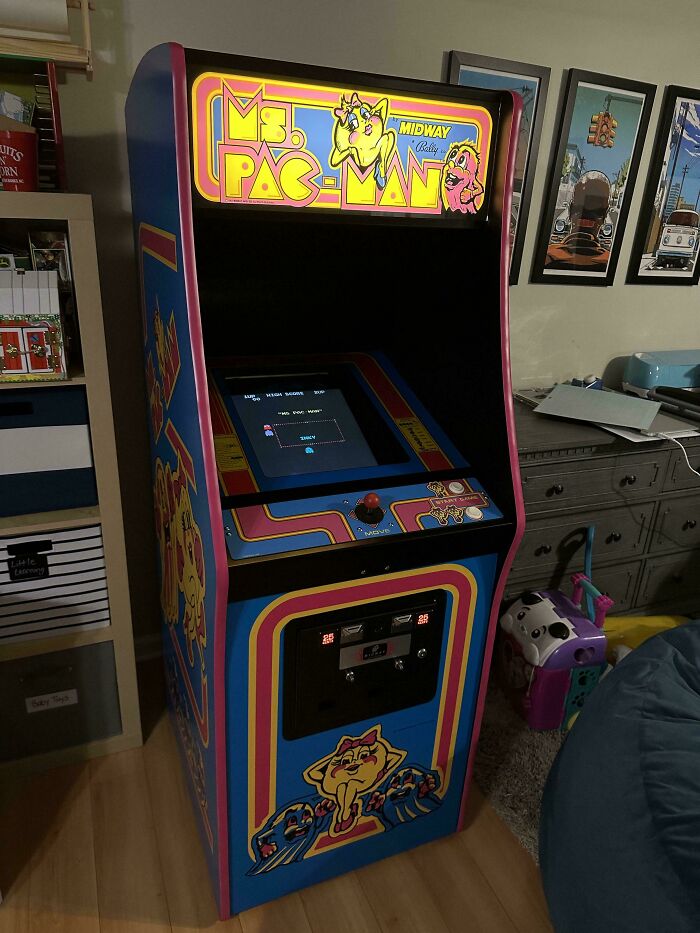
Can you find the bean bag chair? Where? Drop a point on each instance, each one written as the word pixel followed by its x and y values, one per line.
pixel 620 819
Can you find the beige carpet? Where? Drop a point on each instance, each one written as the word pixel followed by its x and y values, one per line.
pixel 511 766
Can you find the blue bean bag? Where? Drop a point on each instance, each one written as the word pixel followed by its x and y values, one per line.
pixel 620 822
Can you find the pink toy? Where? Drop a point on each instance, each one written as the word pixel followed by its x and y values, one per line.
pixel 551 654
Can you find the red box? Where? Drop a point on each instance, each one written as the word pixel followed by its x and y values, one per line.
pixel 18 160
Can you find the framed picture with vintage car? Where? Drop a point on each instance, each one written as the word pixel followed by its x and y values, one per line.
pixel 602 127
pixel 665 250
pixel 530 82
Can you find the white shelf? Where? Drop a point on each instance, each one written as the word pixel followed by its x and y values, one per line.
pixel 74 211
pixel 48 521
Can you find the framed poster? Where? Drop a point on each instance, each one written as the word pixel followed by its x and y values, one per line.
pixel 601 134
pixel 531 82
pixel 665 250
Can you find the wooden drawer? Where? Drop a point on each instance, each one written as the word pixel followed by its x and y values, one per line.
pixel 560 542
pixel 625 477
pixel 677 524
pixel 673 579
pixel 619 582
pixel 679 476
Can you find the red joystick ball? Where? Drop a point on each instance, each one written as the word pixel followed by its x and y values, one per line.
pixel 371 501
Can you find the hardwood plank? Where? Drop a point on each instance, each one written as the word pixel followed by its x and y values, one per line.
pixel 191 905
pixel 63 887
pixel 465 899
pixel 130 887
pixel 339 906
pixel 400 897
pixel 286 914
pixel 15 862
pixel 510 870
pixel 48 873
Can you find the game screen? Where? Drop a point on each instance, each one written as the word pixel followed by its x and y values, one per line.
pixel 297 428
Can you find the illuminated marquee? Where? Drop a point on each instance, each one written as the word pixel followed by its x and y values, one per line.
pixel 279 143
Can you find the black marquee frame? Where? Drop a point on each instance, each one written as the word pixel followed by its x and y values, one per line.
pixel 574 78
pixel 457 60
pixel 646 211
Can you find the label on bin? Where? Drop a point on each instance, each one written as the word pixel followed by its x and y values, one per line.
pixel 28 567
pixel 46 701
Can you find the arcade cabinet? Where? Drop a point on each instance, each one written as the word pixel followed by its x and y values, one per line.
pixel 323 261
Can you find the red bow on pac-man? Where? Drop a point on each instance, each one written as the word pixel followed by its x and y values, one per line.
pixel 369 739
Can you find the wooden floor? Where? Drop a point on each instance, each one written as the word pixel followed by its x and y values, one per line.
pixel 110 846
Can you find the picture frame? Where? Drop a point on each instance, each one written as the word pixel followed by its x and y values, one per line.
pixel 50 253
pixel 602 127
pixel 666 253
pixel 532 83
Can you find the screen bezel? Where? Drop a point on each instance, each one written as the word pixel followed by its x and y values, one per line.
pixel 391 451
pixel 383 446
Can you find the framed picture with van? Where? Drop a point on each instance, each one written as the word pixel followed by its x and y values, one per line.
pixel 531 83
pixel 665 250
pixel 601 131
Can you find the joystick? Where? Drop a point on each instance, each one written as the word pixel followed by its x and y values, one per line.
pixel 368 509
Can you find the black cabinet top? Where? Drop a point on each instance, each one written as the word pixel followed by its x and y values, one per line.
pixel 540 435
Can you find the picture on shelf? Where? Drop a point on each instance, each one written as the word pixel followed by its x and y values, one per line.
pixel 530 82
pixel 665 250
pixel 16 107
pixel 7 261
pixel 49 251
pixel 602 130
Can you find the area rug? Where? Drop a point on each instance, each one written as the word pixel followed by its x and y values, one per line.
pixel 511 766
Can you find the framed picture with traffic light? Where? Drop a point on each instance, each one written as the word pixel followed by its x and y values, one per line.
pixel 601 131
pixel 665 250
pixel 531 82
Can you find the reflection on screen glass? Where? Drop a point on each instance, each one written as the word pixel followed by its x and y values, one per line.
pixel 298 431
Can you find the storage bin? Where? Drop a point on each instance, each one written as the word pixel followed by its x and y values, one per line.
pixel 45 452
pixel 56 700
pixel 52 582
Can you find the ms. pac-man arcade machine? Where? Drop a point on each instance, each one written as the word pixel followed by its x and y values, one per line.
pixel 323 259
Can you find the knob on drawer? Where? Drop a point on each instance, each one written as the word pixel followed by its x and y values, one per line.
pixel 689 524
pixel 556 490
pixel 614 537
pixel 629 479
pixel 543 549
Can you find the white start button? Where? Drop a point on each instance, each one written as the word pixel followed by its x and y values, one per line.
pixel 456 488
pixel 474 513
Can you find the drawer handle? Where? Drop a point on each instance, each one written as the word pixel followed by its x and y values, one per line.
pixel 629 479
pixel 555 490
pixel 689 524
pixel 614 537
pixel 543 549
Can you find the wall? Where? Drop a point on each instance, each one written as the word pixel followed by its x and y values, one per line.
pixel 557 331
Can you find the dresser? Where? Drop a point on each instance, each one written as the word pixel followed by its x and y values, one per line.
pixel 641 498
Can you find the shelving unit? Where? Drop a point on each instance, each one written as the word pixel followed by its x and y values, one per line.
pixel 76 211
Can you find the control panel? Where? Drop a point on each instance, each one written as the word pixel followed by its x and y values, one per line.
pixel 324 521
pixel 347 665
